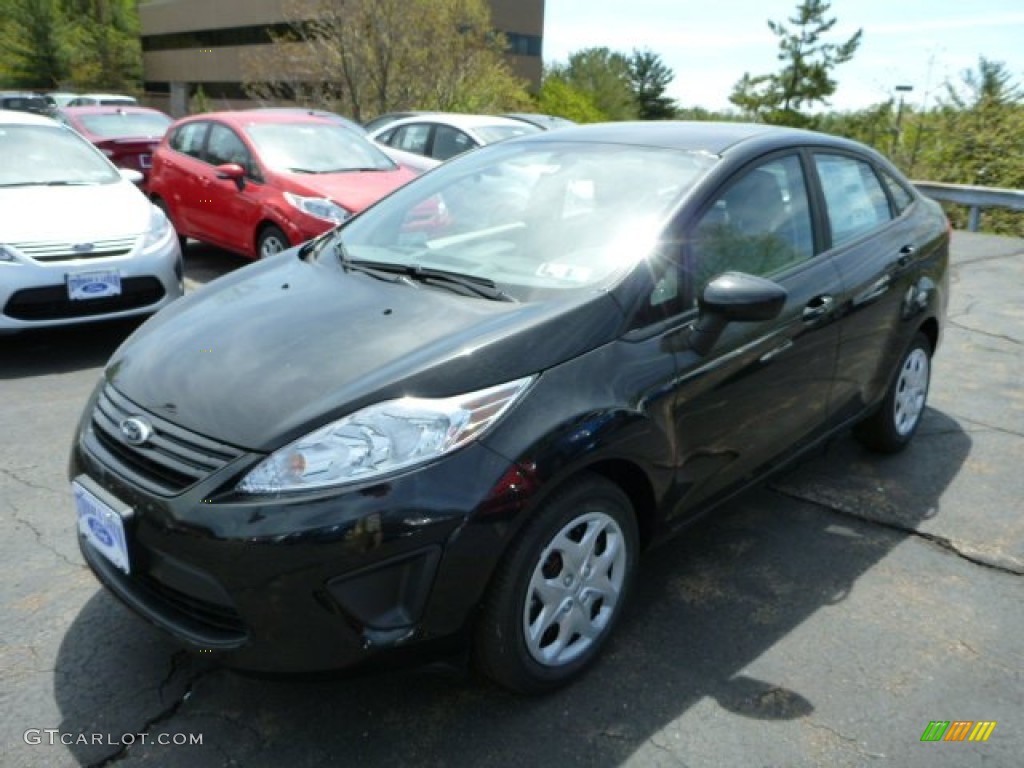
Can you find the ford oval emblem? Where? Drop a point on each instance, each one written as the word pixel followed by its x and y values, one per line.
pixel 82 247
pixel 100 532
pixel 136 430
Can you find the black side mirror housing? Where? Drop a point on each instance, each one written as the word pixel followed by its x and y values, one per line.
pixel 730 298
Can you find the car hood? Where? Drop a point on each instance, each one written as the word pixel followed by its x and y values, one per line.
pixel 354 190
pixel 262 356
pixel 77 214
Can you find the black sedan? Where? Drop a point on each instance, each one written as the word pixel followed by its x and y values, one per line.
pixel 463 414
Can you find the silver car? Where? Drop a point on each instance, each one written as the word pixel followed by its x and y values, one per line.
pixel 78 241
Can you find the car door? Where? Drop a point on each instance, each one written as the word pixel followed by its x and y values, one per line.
pixel 231 210
pixel 875 248
pixel 762 391
pixel 175 175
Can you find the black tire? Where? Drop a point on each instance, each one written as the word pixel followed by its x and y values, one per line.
pixel 271 241
pixel 892 426
pixel 601 516
pixel 182 240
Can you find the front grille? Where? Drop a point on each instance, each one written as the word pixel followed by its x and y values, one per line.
pixel 63 250
pixel 51 302
pixel 171 460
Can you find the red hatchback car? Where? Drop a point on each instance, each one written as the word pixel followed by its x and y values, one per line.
pixel 127 135
pixel 257 183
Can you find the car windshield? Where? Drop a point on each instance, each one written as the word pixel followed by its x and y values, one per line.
pixel 492 133
pixel 118 125
pixel 50 155
pixel 310 147
pixel 537 220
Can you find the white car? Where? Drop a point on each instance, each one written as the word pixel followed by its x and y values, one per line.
pixel 78 241
pixel 440 136
pixel 102 100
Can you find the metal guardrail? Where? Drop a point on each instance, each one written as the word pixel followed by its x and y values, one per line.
pixel 975 197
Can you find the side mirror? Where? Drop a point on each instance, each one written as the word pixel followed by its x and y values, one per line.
pixel 130 174
pixel 233 172
pixel 734 297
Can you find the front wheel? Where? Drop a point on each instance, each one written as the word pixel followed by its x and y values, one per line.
pixel 560 588
pixel 891 427
pixel 271 241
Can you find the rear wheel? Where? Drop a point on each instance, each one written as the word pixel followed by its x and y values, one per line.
pixel 560 589
pixel 891 427
pixel 271 241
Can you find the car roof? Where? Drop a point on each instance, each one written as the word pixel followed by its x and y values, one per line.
pixel 104 96
pixel 12 117
pixel 242 117
pixel 715 138
pixel 106 109
pixel 454 119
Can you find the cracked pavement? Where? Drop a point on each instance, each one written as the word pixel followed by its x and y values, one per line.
pixel 822 619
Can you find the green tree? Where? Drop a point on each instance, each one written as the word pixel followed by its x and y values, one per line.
pixel 806 75
pixel 370 56
pixel 650 78
pixel 557 97
pixel 76 43
pixel 992 85
pixel 33 36
pixel 604 76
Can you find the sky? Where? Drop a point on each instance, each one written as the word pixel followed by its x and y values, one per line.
pixel 709 45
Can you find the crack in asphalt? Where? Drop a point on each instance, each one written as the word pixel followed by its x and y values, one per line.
pixel 18 479
pixel 940 541
pixel 164 714
pixel 968 329
pixel 849 739
pixel 40 538
pixel 983 425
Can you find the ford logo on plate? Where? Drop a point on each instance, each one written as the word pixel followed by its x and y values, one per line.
pixel 94 288
pixel 136 430
pixel 102 534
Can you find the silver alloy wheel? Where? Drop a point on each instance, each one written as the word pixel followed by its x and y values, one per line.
pixel 911 391
pixel 270 245
pixel 574 590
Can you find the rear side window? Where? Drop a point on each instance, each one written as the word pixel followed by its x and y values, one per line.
pixel 449 142
pixel 901 198
pixel 854 196
pixel 411 138
pixel 188 139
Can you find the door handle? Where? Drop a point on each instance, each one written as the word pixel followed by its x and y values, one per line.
pixel 818 307
pixel 906 253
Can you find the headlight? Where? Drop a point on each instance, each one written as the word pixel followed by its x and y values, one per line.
pixel 159 228
pixel 381 439
pixel 320 207
pixel 5 254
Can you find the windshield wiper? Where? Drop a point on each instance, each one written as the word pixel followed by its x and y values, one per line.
pixel 50 184
pixel 478 286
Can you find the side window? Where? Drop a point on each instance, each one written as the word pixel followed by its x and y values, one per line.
pixel 449 142
pixel 188 139
pixel 760 224
pixel 224 146
pixel 411 138
pixel 854 196
pixel 901 198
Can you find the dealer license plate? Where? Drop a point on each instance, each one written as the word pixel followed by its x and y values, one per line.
pixel 93 285
pixel 102 527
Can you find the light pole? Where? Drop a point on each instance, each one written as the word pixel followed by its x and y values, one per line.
pixel 900 89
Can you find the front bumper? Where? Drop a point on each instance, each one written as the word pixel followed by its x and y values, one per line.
pixel 33 293
pixel 311 582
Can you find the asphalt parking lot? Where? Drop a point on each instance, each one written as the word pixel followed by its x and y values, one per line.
pixel 824 619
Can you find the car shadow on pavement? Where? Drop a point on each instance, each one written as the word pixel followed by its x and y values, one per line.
pixel 708 605
pixel 41 351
